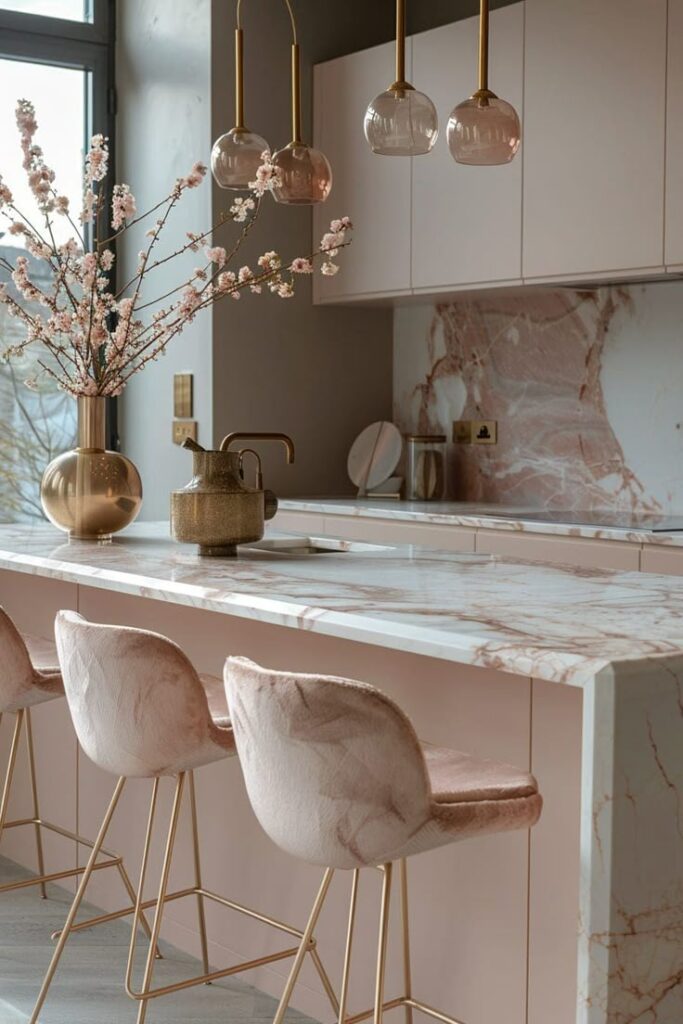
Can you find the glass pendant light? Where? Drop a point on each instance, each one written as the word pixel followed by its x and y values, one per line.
pixel 305 173
pixel 237 155
pixel 484 130
pixel 401 121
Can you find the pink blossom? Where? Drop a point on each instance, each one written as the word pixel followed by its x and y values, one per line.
pixel 62 205
pixel 97 160
pixel 331 242
pixel 285 290
pixel 123 206
pixel 340 224
pixel 17 228
pixel 195 239
pixel 195 177
pixel 301 266
pixel 329 269
pixel 268 176
pixel 107 259
pixel 216 254
pixel 5 194
pixel 226 281
pixel 270 261
pixel 241 208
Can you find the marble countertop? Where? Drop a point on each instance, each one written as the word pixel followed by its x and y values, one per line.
pixel 552 622
pixel 471 515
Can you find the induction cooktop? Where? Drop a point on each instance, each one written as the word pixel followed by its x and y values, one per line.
pixel 652 522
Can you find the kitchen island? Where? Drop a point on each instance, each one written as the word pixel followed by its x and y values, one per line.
pixel 575 673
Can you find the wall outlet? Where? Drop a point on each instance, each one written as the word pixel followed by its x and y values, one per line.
pixel 462 432
pixel 183 429
pixel 484 431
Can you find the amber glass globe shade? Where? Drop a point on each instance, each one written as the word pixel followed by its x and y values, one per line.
pixel 484 130
pixel 305 175
pixel 236 157
pixel 401 122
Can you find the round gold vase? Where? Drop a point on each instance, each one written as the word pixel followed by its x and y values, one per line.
pixel 89 492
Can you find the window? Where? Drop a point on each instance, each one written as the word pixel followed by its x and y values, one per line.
pixel 72 10
pixel 65 69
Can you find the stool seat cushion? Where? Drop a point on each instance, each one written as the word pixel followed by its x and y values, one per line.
pixel 455 777
pixel 29 668
pixel 337 775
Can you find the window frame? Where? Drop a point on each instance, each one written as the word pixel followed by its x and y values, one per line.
pixel 86 45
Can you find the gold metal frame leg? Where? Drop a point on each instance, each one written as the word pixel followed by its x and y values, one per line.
pixel 163 886
pixel 405 922
pixel 34 795
pixel 138 901
pixel 78 899
pixel 303 946
pixel 382 943
pixel 343 995
pixel 9 774
pixel 201 914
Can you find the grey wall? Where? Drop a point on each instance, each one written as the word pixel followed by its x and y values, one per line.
pixel 163 64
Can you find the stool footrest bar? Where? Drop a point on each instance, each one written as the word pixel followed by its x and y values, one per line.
pixel 204 979
pixel 414 1004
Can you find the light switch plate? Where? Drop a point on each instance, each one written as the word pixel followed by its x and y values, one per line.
pixel 183 398
pixel 183 429
pixel 462 432
pixel 484 432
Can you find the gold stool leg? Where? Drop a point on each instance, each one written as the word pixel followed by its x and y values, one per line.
pixel 163 886
pixel 201 915
pixel 382 944
pixel 78 899
pixel 34 794
pixel 407 979
pixel 137 911
pixel 11 764
pixel 343 995
pixel 303 947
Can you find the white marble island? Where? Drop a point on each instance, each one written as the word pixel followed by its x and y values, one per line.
pixel 576 673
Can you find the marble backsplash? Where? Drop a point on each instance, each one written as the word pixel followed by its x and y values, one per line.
pixel 586 386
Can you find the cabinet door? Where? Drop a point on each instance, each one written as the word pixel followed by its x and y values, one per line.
pixel 595 75
pixel 674 138
pixel 374 191
pixel 467 221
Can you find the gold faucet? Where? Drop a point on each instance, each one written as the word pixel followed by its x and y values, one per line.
pixel 282 438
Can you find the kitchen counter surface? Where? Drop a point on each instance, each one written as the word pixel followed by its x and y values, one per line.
pixel 472 515
pixel 551 622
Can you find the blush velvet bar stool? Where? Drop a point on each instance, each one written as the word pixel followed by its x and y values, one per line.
pixel 141 711
pixel 337 777
pixel 30 675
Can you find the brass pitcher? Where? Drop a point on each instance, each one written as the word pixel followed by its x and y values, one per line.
pixel 217 509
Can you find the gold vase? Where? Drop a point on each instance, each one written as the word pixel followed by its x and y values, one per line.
pixel 89 492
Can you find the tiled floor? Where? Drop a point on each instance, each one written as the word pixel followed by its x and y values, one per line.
pixel 88 989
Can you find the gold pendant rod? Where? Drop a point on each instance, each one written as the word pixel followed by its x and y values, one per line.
pixel 400 41
pixel 296 94
pixel 239 78
pixel 484 46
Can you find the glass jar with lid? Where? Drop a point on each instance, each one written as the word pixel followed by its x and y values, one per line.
pixel 425 467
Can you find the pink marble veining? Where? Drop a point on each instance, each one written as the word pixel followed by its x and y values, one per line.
pixel 535 363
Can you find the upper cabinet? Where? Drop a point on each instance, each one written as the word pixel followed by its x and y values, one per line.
pixel 594 137
pixel 374 191
pixel 674 139
pixel 602 141
pixel 467 221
